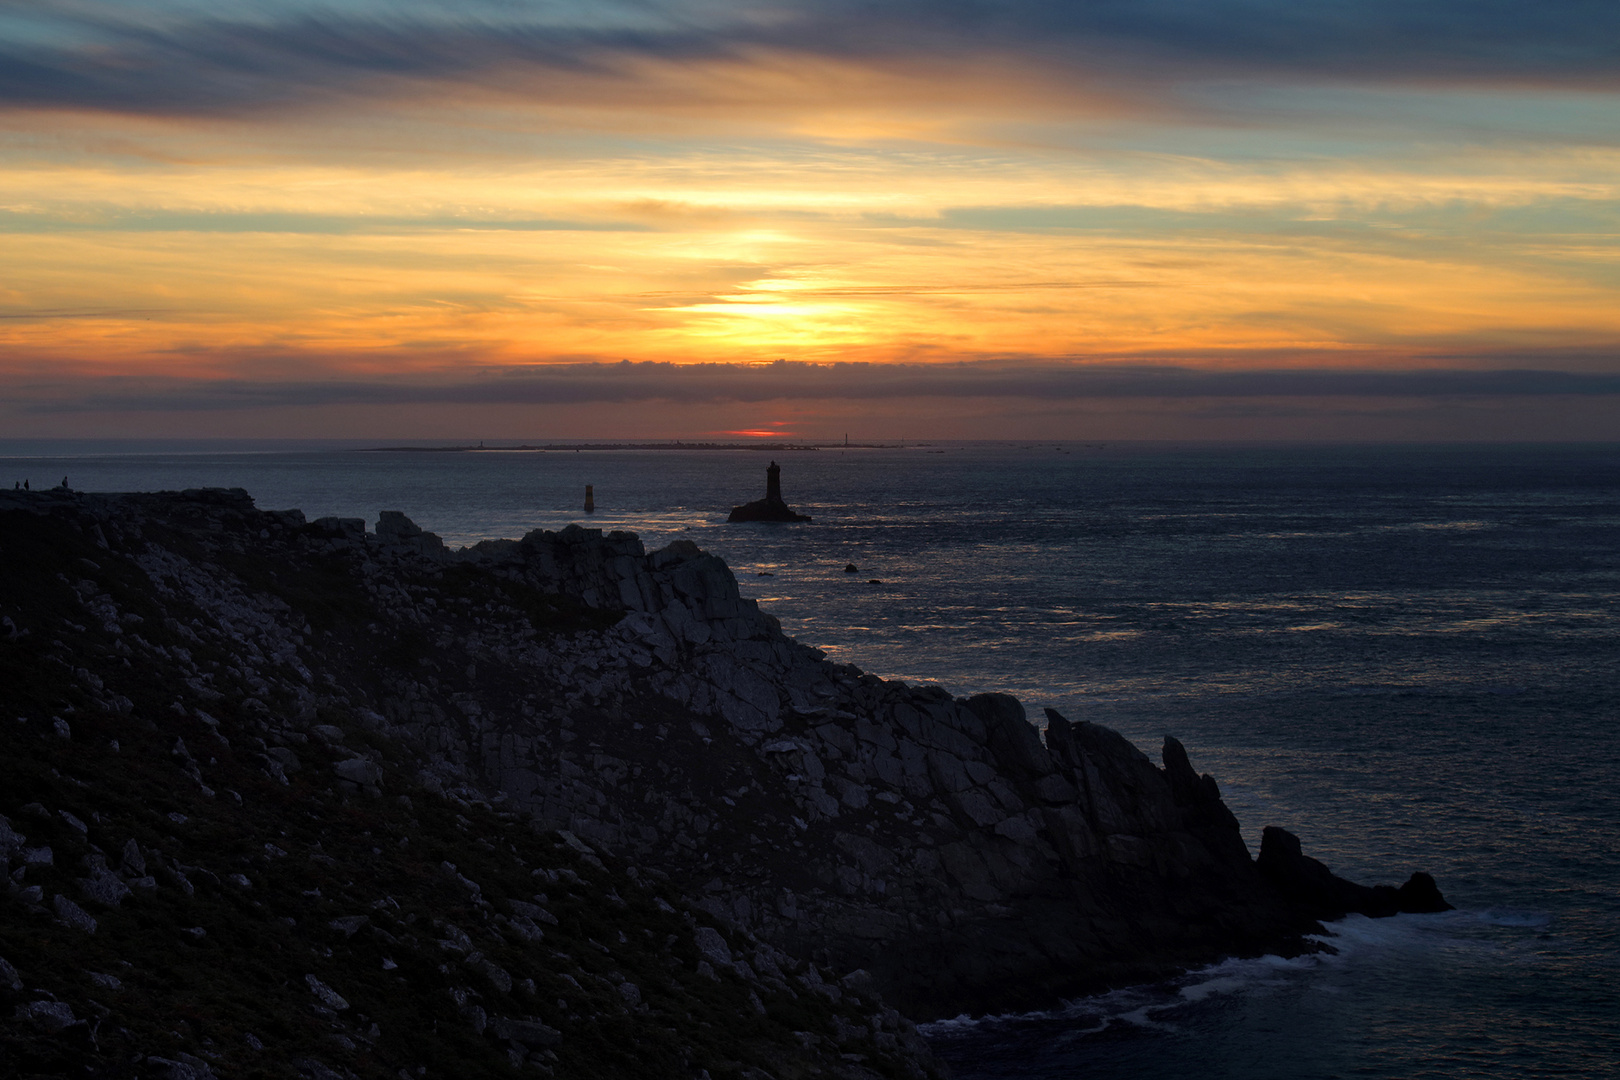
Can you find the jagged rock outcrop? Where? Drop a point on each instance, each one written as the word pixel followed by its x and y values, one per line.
pixel 1310 885
pixel 771 507
pixel 942 847
pixel 218 860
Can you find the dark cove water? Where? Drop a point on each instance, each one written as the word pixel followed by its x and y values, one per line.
pixel 1407 655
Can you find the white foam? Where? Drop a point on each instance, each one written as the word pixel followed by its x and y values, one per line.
pixel 954 1025
pixel 1143 1018
pixel 1304 962
pixel 1355 939
pixel 1227 985
pixel 1357 934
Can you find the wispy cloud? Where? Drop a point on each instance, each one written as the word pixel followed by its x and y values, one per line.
pixel 224 207
pixel 160 58
pixel 207 221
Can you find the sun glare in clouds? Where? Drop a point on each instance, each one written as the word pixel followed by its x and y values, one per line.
pixel 726 185
pixel 879 257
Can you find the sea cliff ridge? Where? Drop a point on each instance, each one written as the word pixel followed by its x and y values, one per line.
pixel 555 805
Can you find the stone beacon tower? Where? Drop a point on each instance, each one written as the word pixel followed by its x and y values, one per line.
pixel 771 507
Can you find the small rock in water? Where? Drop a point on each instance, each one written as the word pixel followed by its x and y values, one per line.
pixel 851 568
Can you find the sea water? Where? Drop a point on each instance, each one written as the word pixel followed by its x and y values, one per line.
pixel 1408 655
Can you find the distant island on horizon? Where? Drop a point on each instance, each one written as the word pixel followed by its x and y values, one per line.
pixel 675 445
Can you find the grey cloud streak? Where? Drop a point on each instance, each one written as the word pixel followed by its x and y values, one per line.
pixel 689 384
pixel 219 68
pixel 169 64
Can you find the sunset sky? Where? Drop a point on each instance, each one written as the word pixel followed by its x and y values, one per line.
pixel 1115 218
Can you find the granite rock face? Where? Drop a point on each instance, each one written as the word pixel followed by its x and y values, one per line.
pixel 232 863
pixel 957 857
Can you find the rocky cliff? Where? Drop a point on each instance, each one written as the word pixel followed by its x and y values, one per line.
pixel 851 844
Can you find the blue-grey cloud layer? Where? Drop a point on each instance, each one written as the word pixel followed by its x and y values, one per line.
pixel 690 384
pixel 155 59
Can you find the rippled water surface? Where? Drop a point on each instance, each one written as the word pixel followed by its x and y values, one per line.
pixel 1408 655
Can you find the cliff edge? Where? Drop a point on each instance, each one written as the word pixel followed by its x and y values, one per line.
pixel 853 844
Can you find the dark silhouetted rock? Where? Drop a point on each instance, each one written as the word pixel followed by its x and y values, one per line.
pixel 771 507
pixel 818 819
pixel 1421 896
pixel 1309 884
pixel 398 531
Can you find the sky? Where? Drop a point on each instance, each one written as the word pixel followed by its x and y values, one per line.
pixel 1225 219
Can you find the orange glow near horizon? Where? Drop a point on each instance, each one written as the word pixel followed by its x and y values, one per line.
pixel 195 303
pixel 763 204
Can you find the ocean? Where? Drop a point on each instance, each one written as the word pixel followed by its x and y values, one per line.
pixel 1407 655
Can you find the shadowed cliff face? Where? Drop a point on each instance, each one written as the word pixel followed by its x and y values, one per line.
pixel 220 860
pixel 940 848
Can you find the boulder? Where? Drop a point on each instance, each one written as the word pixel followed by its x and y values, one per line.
pixel 73 915
pixel 360 771
pixel 395 530
pixel 48 1016
pixel 133 862
pixel 712 946
pixel 102 885
pixel 329 997
pixel 531 1033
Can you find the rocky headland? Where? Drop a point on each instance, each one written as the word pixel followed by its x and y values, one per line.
pixel 283 797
